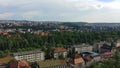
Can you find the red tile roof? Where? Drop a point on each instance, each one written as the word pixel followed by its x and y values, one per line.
pixel 78 60
pixel 19 64
pixel 4 33
pixel 60 50
pixel 106 53
pixel 23 63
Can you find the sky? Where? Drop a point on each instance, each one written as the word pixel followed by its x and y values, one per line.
pixel 61 10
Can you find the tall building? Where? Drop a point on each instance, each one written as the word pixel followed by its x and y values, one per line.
pixel 31 56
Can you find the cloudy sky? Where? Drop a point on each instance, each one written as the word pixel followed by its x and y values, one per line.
pixel 61 10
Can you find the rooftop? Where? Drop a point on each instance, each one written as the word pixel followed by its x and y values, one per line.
pixel 60 49
pixel 106 53
pixel 20 64
pixel 26 52
pixel 92 54
pixel 78 60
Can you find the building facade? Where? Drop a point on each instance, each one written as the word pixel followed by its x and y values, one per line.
pixel 60 52
pixel 82 48
pixel 76 61
pixel 31 56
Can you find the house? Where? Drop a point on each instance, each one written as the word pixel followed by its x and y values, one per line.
pixel 117 49
pixel 95 56
pixel 53 64
pixel 90 57
pixel 60 52
pixel 106 48
pixel 76 61
pixel 116 44
pixel 96 47
pixel 82 48
pixel 4 33
pixel 31 56
pixel 19 64
pixel 106 55
pixel 103 46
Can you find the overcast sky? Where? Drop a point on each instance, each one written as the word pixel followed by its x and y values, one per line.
pixel 61 10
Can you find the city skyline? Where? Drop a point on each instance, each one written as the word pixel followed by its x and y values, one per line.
pixel 61 10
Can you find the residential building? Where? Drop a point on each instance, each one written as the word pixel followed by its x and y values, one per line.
pixel 76 61
pixel 4 33
pixel 93 55
pixel 31 56
pixel 106 55
pixel 82 48
pixel 19 64
pixel 117 43
pixel 97 47
pixel 53 64
pixel 106 48
pixel 90 57
pixel 103 47
pixel 60 52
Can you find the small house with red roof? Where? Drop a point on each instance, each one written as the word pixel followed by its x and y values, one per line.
pixel 106 55
pixel 4 33
pixel 60 52
pixel 19 64
pixel 76 61
pixel 90 57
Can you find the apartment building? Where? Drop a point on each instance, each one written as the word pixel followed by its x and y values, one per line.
pixel 82 48
pixel 31 56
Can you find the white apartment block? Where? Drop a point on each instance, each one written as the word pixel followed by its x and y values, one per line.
pixel 82 48
pixel 31 56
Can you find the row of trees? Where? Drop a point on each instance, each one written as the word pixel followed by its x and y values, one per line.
pixel 22 42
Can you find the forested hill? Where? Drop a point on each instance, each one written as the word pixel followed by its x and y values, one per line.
pixel 21 42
